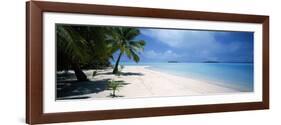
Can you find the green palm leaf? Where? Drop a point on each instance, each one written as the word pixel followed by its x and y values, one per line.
pixel 123 39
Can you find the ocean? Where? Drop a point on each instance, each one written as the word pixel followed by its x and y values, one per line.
pixel 238 76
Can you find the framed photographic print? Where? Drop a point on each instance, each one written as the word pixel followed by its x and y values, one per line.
pixel 95 62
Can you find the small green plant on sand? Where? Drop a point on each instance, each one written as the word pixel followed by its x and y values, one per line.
pixel 114 86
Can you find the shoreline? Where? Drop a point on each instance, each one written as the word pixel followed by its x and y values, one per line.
pixel 211 81
pixel 139 81
pixel 214 82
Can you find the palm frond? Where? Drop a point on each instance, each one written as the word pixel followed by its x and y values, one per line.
pixel 135 56
pixel 71 43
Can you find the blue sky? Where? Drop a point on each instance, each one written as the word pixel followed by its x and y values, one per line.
pixel 164 45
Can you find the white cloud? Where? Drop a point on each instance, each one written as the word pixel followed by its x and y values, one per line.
pixel 167 55
pixel 182 38
pixel 192 44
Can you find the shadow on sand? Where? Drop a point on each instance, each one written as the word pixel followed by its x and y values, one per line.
pixel 79 90
pixel 124 74
pixel 115 96
pixel 70 88
pixel 131 74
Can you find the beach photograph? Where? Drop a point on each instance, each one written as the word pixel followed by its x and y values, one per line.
pixel 117 62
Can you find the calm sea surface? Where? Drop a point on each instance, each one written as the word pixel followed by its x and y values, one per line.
pixel 234 75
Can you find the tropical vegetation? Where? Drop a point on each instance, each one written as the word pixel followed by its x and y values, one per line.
pixel 114 86
pixel 93 47
pixel 123 39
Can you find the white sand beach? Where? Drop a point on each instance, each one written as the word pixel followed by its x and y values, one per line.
pixel 142 82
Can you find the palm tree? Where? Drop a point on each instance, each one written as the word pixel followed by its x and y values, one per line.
pixel 70 50
pixel 123 39
pixel 81 45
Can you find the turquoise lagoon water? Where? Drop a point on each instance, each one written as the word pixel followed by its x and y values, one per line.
pixel 238 76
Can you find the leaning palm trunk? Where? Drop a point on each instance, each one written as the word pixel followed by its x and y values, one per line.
pixel 115 71
pixel 80 75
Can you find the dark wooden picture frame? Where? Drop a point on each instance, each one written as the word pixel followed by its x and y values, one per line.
pixel 34 61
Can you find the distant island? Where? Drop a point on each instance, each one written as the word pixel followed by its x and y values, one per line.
pixel 173 62
pixel 211 62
